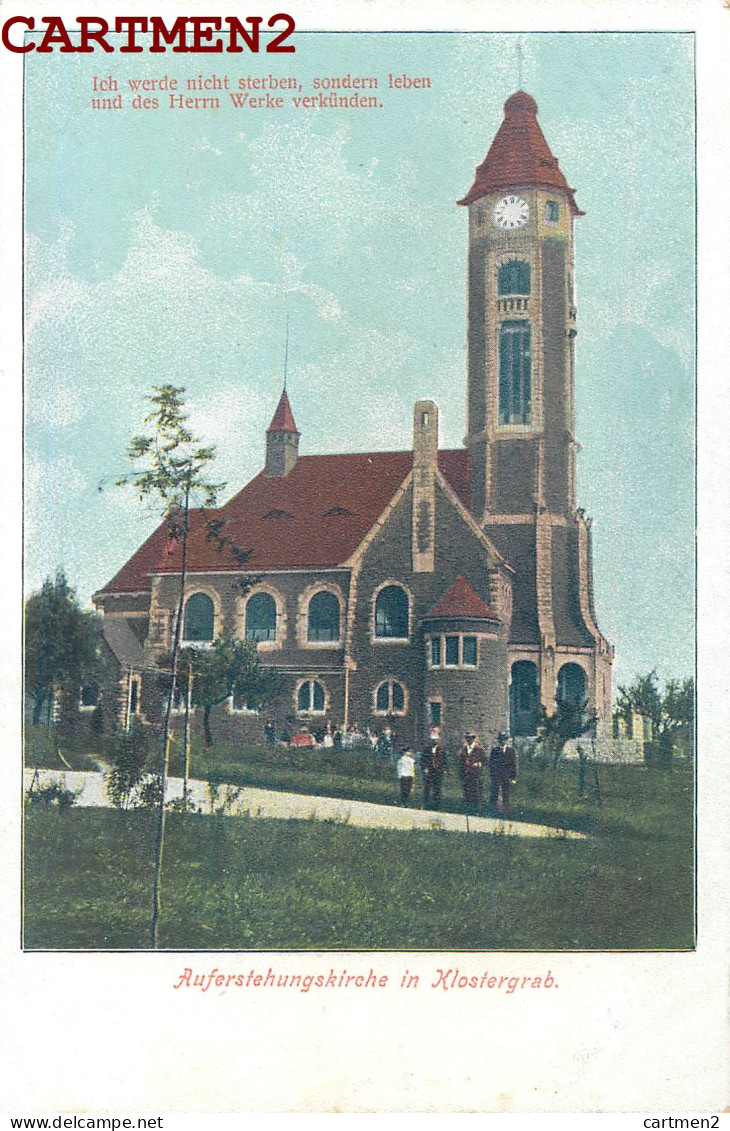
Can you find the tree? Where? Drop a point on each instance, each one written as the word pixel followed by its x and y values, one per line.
pixel 228 667
pixel 568 721
pixel 62 644
pixel 672 711
pixel 679 712
pixel 170 466
pixel 644 698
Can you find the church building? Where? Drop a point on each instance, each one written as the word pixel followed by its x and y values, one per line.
pixel 424 586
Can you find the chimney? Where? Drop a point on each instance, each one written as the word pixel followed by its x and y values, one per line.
pixel 282 440
pixel 425 463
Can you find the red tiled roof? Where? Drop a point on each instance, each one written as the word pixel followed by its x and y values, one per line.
pixel 153 556
pixel 519 156
pixel 314 517
pixel 461 601
pixel 283 418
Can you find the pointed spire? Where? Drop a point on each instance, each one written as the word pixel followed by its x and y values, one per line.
pixel 282 440
pixel 519 156
pixel 283 418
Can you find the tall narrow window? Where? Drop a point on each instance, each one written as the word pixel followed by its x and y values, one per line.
pixel 452 651
pixel 515 377
pixel 469 651
pixel 323 618
pixel 391 613
pixel 524 698
pixel 513 278
pixel 261 617
pixel 571 685
pixel 199 618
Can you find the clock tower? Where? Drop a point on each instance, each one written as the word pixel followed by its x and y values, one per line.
pixel 521 328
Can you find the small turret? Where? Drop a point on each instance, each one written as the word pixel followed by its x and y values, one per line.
pixel 282 440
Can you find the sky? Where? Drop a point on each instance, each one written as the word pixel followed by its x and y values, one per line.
pixel 171 246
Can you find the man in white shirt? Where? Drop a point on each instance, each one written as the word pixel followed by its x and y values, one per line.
pixel 406 769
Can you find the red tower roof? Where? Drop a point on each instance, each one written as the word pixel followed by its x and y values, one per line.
pixel 519 156
pixel 461 601
pixel 283 418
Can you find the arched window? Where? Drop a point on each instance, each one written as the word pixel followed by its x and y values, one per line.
pixel 524 698
pixel 261 617
pixel 310 698
pixel 513 278
pixel 515 373
pixel 323 618
pixel 391 613
pixel 199 619
pixel 571 685
pixel 390 698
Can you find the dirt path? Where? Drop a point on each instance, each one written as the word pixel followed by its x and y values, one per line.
pixel 255 802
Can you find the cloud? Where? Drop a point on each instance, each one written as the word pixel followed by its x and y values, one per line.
pixel 162 317
pixel 235 423
pixel 52 292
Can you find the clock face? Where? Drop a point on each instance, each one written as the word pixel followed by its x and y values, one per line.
pixel 511 212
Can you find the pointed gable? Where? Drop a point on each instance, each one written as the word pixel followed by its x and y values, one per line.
pixel 461 601
pixel 519 156
pixel 283 418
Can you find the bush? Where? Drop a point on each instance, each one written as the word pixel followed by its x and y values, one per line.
pixel 659 754
pixel 129 760
pixel 53 793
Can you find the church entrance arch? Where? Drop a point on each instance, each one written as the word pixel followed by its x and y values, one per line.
pixel 571 685
pixel 524 698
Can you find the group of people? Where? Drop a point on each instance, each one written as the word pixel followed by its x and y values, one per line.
pixel 500 764
pixel 473 761
pixel 333 737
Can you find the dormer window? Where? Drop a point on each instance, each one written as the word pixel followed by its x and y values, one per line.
pixel 336 511
pixel 278 514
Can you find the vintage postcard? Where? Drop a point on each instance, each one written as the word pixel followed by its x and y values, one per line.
pixel 359 370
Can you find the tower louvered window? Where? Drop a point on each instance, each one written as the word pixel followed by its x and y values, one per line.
pixel 514 278
pixel 515 373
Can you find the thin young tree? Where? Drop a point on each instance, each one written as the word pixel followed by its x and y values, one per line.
pixel 170 467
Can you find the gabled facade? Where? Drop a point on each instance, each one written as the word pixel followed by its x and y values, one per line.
pixel 427 586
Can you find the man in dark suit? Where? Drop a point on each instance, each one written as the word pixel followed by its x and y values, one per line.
pixel 471 768
pixel 433 768
pixel 502 773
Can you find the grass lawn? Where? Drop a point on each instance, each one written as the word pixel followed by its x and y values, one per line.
pixel 243 883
